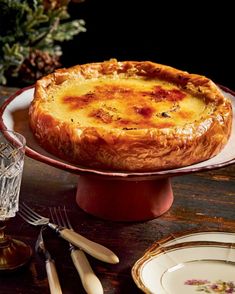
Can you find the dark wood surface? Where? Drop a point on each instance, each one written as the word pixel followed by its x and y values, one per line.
pixel 201 200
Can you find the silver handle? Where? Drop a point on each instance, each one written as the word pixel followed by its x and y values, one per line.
pixel 94 249
pixel 52 276
pixel 90 282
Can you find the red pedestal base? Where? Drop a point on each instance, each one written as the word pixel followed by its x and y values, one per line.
pixel 124 200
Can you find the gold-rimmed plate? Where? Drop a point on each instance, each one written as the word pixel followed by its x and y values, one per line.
pixel 188 264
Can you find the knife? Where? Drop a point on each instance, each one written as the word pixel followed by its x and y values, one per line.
pixel 53 280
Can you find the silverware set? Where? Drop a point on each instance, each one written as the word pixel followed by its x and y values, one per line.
pixel 78 246
pixel 89 280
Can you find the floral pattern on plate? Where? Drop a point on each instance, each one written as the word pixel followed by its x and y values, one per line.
pixel 212 287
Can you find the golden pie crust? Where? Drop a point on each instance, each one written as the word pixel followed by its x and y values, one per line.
pixel 130 116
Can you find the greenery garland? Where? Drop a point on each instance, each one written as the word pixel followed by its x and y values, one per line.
pixel 30 35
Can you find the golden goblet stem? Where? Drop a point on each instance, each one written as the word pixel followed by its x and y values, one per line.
pixel 13 253
pixel 2 233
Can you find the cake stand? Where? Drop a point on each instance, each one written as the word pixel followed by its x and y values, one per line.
pixel 112 195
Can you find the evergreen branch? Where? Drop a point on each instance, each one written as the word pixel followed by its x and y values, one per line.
pixel 33 28
pixel 35 19
pixel 68 30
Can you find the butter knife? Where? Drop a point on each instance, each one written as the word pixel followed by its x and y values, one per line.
pixel 53 280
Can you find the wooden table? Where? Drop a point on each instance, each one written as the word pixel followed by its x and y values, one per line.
pixel 202 200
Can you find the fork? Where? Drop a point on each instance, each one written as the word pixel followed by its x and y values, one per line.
pixel 52 275
pixel 92 248
pixel 89 280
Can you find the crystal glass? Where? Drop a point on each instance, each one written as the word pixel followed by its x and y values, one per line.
pixel 13 253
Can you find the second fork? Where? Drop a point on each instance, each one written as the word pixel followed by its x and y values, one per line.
pixel 90 281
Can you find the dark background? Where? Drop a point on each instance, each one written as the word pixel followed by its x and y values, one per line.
pixel 196 36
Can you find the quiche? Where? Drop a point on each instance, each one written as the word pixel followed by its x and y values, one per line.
pixel 130 116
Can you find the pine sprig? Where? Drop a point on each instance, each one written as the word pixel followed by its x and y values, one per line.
pixel 67 31
pixel 33 27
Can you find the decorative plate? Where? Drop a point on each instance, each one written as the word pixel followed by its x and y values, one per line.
pixel 14 115
pixel 215 235
pixel 185 268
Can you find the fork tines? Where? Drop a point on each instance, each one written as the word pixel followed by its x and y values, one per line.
pixel 59 216
pixel 31 216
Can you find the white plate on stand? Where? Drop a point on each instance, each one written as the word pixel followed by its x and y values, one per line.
pixel 14 116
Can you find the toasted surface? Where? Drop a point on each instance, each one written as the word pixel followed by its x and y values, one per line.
pixel 137 116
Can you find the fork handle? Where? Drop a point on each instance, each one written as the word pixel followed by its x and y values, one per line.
pixel 52 276
pixel 94 249
pixel 90 282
